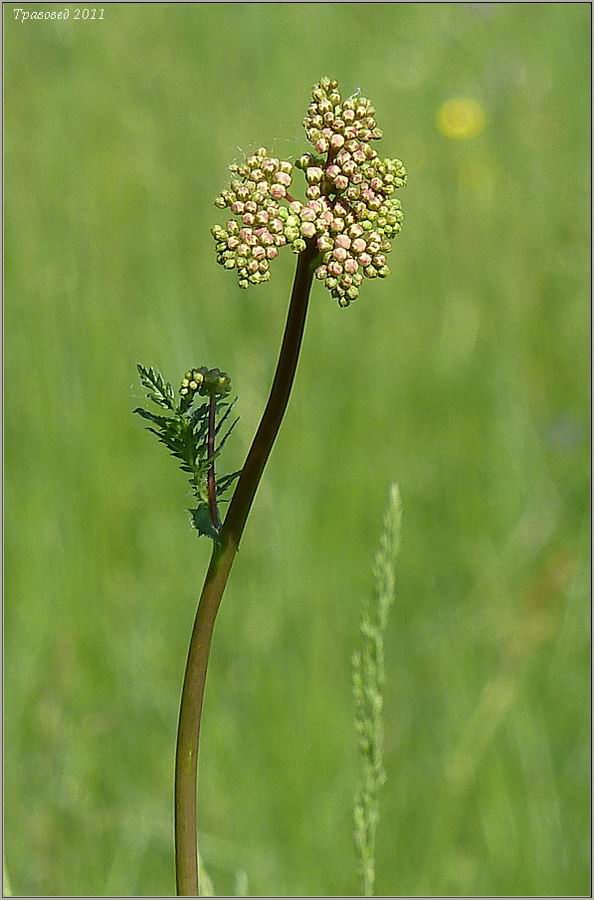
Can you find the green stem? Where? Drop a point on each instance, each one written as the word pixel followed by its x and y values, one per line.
pixel 223 555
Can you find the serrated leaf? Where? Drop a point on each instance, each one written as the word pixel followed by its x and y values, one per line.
pixel 158 390
pixel 224 483
pixel 146 414
pixel 225 415
pixel 203 523
pixel 226 435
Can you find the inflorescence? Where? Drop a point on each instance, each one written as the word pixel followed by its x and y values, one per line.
pixel 350 212
pixel 207 382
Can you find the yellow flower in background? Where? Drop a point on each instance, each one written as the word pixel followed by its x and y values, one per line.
pixel 461 118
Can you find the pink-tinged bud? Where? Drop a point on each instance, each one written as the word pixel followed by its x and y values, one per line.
pixel 376 184
pixel 316 207
pixel 337 225
pixel 248 219
pixel 308 229
pixel 278 191
pixel 262 217
pixel 373 247
pixel 365 259
pixel 272 253
pixel 334 268
pixel 359 156
pixel 374 236
pixel 307 214
pixel 340 254
pixel 313 192
pixel 322 145
pixel 283 178
pixel 314 174
pixel 276 226
pixel 243 250
pixel 348 115
pixel 251 207
pixel 332 171
pixel 324 243
pixel 237 208
pixel 341 182
pixel 252 266
pixel 233 243
pixel 296 206
pixel 379 261
pixel 342 240
pixel 351 266
pixel 337 141
pixel 258 252
pixel 321 272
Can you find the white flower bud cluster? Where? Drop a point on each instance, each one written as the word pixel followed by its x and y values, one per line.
pixel 359 187
pixel 350 212
pixel 248 243
pixel 331 124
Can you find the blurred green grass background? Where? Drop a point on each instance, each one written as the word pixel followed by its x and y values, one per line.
pixel 463 377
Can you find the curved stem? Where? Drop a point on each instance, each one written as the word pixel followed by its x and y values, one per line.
pixel 223 555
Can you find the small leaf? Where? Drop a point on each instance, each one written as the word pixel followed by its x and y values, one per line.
pixel 158 420
pixel 226 435
pixel 203 523
pixel 224 483
pixel 226 414
pixel 159 391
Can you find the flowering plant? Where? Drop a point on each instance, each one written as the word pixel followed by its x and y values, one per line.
pixel 341 233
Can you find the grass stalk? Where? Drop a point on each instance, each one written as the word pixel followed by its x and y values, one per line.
pixel 368 685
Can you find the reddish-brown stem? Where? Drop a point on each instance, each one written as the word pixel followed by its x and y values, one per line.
pixel 223 556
